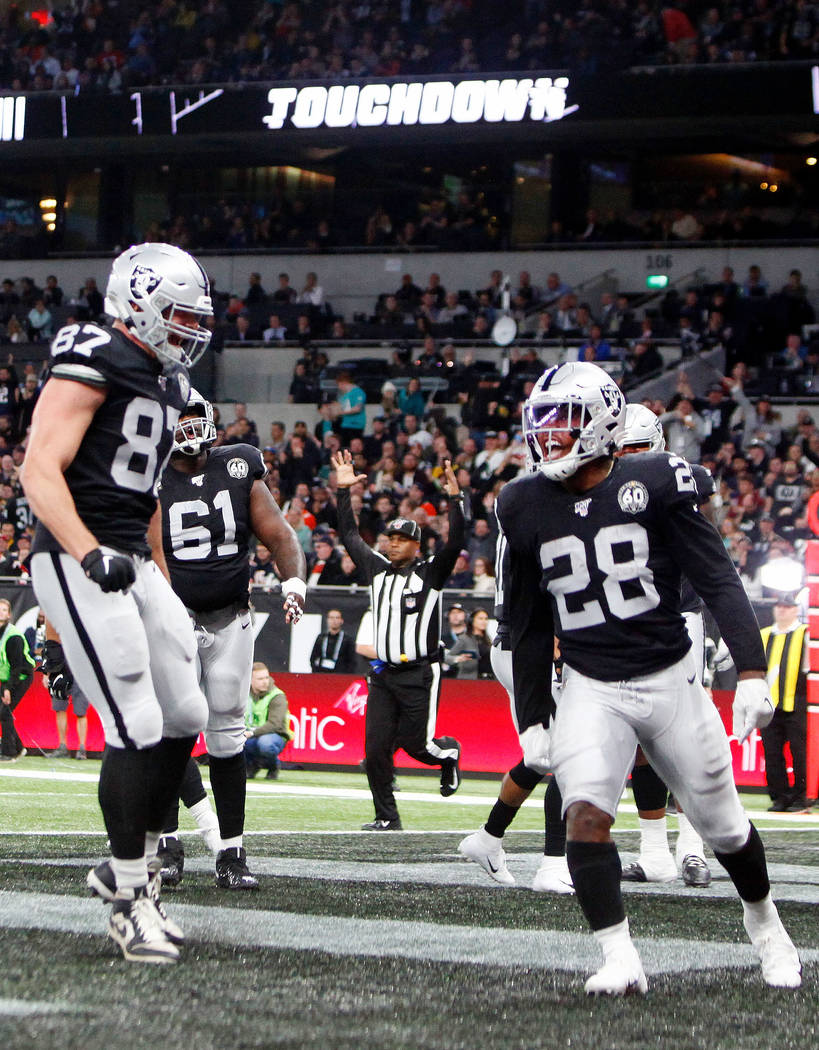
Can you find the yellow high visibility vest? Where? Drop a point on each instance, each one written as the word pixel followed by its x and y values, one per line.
pixel 784 655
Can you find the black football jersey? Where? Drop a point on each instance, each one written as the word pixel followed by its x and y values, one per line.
pixel 114 476
pixel 690 601
pixel 206 529
pixel 610 560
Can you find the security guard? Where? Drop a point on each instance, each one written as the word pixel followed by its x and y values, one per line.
pixel 405 682
pixel 786 651
pixel 16 673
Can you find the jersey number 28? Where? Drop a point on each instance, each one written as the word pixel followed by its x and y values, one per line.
pixel 634 570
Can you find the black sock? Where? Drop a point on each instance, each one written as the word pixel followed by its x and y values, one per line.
pixel 123 795
pixel 748 868
pixel 650 792
pixel 500 818
pixel 191 792
pixel 595 869
pixel 168 761
pixel 228 778
pixel 555 842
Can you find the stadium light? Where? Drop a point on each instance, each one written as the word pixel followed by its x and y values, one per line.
pixel 784 575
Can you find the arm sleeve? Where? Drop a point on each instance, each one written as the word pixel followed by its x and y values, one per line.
pixel 700 554
pixel 365 559
pixel 442 564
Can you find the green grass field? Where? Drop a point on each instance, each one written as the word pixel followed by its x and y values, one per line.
pixel 361 941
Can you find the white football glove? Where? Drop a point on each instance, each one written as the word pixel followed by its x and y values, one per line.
pixel 537 746
pixel 753 707
pixel 293 608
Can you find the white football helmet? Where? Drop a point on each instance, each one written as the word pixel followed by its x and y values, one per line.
pixel 578 398
pixel 148 284
pixel 642 428
pixel 196 429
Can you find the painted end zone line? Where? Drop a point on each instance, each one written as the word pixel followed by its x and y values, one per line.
pixel 363 794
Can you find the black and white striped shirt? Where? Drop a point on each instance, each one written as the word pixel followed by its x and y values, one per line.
pixel 406 603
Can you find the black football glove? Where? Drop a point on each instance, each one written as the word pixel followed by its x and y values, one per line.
pixel 109 570
pixel 59 685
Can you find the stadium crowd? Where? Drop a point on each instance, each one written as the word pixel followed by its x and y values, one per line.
pixel 102 46
pixel 766 473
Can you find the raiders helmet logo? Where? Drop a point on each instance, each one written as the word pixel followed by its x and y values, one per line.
pixel 237 468
pixel 144 281
pixel 633 497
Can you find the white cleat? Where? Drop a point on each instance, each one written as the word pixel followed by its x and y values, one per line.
pixel 781 967
pixel 135 926
pixel 621 974
pixel 486 850
pixel 553 876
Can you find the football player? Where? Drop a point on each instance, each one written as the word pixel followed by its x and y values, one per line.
pixel 214 501
pixel 643 433
pixel 597 547
pixel 531 710
pixel 102 432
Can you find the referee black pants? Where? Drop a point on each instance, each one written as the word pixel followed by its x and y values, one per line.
pixel 402 705
pixel 790 727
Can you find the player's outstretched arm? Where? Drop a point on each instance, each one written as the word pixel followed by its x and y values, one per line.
pixel 269 526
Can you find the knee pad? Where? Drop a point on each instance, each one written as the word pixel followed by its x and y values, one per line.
pixel 525 778
pixel 187 718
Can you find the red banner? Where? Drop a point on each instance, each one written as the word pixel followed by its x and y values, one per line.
pixel 327 720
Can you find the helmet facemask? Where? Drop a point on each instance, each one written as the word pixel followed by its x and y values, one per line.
pixel 196 430
pixel 578 404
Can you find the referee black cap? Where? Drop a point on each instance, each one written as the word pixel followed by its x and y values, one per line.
pixel 404 527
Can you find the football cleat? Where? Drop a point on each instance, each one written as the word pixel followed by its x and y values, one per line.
pixel 232 872
pixel 621 974
pixel 781 967
pixel 101 881
pixel 695 871
pixel 486 850
pixel 646 870
pixel 171 855
pixel 553 876
pixel 451 773
pixel 135 926
pixel 171 930
pixel 382 825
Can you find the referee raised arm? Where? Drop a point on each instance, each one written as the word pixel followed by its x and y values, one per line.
pixel 405 681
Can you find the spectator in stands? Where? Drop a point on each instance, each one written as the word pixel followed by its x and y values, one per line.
pixel 408 294
pixel 645 361
pixel 285 293
pixel 326 569
pixel 555 289
pixel 89 302
pixel 684 430
pixel 312 293
pixel 388 311
pixel 255 292
pixel 754 285
pixel 40 322
pixel 595 348
pixel 350 411
pixel 483 575
pixel 716 412
pixel 275 332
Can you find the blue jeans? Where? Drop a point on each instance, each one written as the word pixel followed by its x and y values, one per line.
pixel 264 750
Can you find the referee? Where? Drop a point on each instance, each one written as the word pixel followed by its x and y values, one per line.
pixel 405 681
